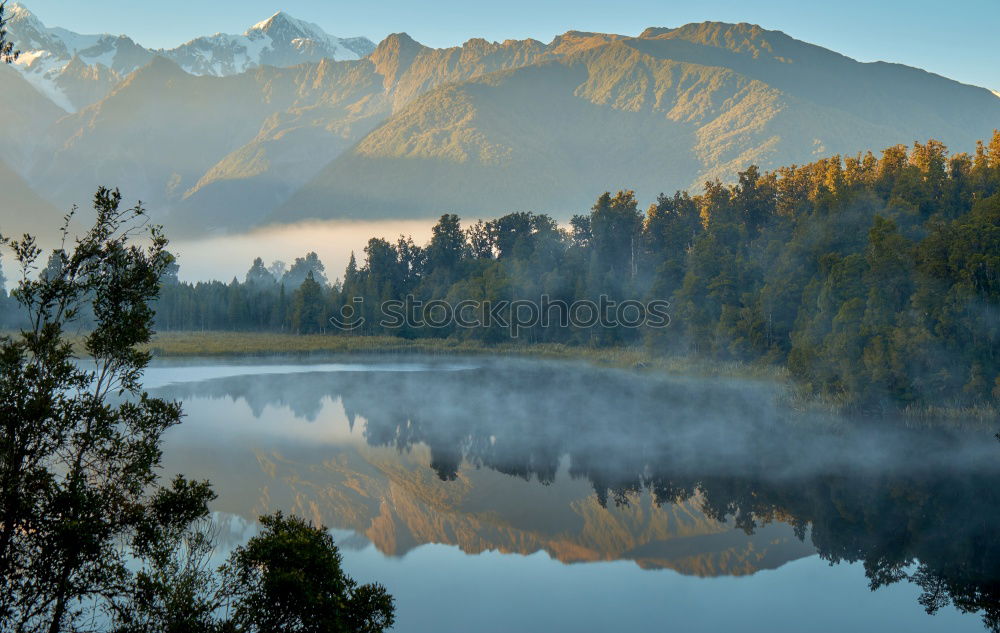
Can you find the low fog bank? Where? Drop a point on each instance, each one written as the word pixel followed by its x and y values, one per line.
pixel 523 416
pixel 226 256
pixel 223 257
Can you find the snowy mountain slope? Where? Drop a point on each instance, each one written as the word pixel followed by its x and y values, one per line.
pixel 47 56
pixel 75 70
pixel 281 40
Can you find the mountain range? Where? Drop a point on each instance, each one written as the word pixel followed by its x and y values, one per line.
pixel 76 70
pixel 287 123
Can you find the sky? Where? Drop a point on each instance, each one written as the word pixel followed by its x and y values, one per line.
pixel 957 39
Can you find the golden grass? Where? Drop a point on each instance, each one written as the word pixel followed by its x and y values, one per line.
pixel 221 344
pixel 982 417
pixel 270 344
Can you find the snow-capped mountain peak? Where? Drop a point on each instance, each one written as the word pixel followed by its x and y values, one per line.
pixel 285 28
pixel 19 14
pixel 291 38
pixel 280 40
pixel 282 21
pixel 46 54
pixel 29 34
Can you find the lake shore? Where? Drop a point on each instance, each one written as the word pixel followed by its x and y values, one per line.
pixel 224 344
pixel 219 344
pixel 242 344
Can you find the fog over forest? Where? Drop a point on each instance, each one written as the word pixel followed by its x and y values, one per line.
pixel 227 256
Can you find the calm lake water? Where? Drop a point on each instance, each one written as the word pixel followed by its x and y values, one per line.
pixel 540 496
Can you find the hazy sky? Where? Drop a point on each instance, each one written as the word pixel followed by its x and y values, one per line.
pixel 957 39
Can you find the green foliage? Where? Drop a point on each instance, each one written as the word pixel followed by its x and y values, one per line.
pixel 873 279
pixel 80 441
pixel 308 315
pixel 7 53
pixel 172 590
pixel 302 268
pixel 289 580
pixel 88 536
pixel 446 249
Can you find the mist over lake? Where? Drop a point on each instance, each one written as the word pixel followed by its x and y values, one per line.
pixel 553 494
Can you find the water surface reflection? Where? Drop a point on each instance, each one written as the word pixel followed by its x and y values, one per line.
pixel 708 478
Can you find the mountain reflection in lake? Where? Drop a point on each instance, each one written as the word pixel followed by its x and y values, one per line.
pixel 628 472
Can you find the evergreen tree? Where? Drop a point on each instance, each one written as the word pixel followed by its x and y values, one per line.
pixel 259 277
pixel 302 267
pixel 616 225
pixel 308 316
pixel 446 249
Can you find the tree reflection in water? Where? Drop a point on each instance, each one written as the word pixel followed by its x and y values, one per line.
pixel 916 505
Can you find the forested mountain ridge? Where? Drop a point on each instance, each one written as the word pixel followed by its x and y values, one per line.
pixel 486 127
pixel 669 109
pixel 26 115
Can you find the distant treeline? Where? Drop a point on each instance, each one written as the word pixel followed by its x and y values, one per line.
pixel 874 280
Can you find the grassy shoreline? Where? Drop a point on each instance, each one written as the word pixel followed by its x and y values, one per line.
pixel 227 344
pixel 212 344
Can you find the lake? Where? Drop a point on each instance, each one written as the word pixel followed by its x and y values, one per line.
pixel 515 495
